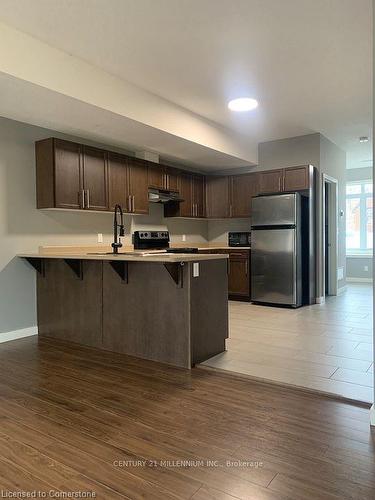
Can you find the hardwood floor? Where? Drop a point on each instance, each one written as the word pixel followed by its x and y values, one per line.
pixel 77 419
pixel 321 347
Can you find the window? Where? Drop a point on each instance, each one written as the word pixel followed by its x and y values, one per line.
pixel 359 217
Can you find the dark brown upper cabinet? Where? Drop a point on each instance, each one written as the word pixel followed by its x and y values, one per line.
pixel 138 185
pixel 270 181
pixel 243 188
pixel 118 182
pixel 199 202
pixel 192 191
pixel 128 183
pixel 162 177
pixel 185 208
pixel 59 176
pixel 296 178
pixel 75 176
pixel 230 196
pixel 218 196
pixel 70 176
pixel 285 179
pixel 95 187
pixel 172 179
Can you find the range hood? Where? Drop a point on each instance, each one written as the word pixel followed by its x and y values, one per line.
pixel 163 196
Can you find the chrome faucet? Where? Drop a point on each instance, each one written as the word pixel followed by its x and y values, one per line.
pixel 118 229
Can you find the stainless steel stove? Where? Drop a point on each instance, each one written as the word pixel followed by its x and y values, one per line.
pixel 158 241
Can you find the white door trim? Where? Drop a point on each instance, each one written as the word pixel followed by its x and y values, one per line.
pixel 333 233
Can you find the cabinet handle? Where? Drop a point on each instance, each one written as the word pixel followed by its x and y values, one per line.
pixel 167 181
pixel 87 198
pixel 247 267
pixel 81 195
pixel 129 203
pixel 279 183
pixel 133 204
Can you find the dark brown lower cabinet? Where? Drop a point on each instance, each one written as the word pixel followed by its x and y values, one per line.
pixel 239 275
pixel 238 272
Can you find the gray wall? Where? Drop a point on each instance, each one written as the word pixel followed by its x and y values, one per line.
pixel 358 174
pixel 355 268
pixel 301 150
pixel 316 150
pixel 23 228
pixel 333 163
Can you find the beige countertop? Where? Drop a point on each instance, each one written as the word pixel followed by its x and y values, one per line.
pixel 222 248
pixel 131 256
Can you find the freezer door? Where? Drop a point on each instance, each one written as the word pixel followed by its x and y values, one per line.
pixel 275 210
pixel 274 266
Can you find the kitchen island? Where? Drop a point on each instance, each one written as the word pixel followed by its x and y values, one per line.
pixel 171 308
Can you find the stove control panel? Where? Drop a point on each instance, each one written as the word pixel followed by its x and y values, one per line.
pixel 152 235
pixel 150 240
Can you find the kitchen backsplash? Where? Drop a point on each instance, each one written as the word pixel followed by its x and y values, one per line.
pixel 195 231
pixel 218 229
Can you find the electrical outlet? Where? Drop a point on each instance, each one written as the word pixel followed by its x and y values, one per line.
pixel 100 238
pixel 365 268
pixel 184 237
pixel 195 269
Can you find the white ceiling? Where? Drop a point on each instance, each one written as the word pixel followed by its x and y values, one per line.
pixel 308 62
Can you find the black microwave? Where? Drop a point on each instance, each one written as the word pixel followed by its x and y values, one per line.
pixel 239 239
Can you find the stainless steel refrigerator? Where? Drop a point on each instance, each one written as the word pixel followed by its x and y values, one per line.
pixel 277 250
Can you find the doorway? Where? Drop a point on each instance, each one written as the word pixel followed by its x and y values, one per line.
pixel 330 234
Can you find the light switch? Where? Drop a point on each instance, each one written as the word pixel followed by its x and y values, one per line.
pixel 100 238
pixel 195 269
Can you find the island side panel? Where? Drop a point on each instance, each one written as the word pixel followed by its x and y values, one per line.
pixel 69 308
pixel 147 317
pixel 209 309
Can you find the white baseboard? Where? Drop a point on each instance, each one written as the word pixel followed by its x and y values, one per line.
pixel 372 415
pixel 359 280
pixel 18 334
pixel 320 300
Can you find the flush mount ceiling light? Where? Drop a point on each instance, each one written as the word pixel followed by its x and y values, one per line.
pixel 242 104
pixel 363 139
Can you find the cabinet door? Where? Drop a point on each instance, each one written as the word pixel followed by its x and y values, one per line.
pixel 217 196
pixel 243 188
pixel 156 176
pixel 118 187
pixel 270 181
pixel 186 193
pixel 95 178
pixel 238 279
pixel 199 206
pixel 68 175
pixel 172 179
pixel 138 185
pixel 296 178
